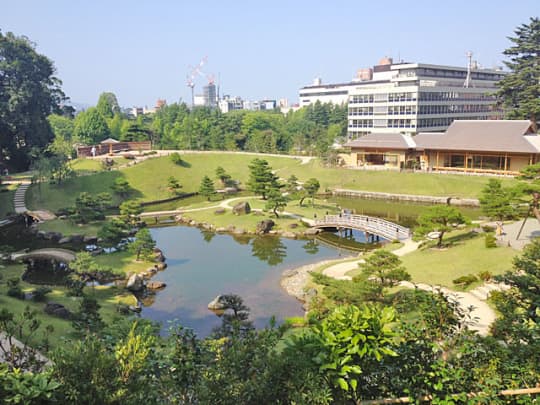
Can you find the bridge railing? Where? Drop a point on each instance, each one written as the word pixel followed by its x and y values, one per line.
pixel 377 226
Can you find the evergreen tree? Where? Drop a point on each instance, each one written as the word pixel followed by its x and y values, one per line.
pixel 495 201
pixel 207 188
pixel 130 211
pixel 143 245
pixel 276 201
pixel 261 179
pixel 441 219
pixel 520 90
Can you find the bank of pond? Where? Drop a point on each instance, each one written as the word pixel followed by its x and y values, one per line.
pixel 202 264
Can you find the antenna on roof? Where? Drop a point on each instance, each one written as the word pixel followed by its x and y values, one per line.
pixel 468 79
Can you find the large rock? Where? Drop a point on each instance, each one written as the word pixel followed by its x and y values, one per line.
pixel 56 309
pixel 158 255
pixel 90 240
pixel 241 208
pixel 217 304
pixel 155 285
pixel 65 239
pixel 135 283
pixel 289 235
pixel 265 226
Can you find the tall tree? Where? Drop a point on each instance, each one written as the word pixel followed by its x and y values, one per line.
pixel 311 187
pixel 143 245
pixel 520 90
pixel 261 179
pixel 276 201
pixel 107 105
pixel 91 127
pixel 496 200
pixel 29 92
pixel 207 188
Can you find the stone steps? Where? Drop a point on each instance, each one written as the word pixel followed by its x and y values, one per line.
pixel 19 200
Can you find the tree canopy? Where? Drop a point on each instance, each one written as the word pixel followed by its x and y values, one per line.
pixel 29 92
pixel 519 91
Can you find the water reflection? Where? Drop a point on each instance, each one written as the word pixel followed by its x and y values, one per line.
pixel 311 246
pixel 269 249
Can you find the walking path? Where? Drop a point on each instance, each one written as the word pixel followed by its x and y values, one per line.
pixel 530 231
pixel 19 198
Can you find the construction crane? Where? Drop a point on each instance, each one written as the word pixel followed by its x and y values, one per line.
pixel 194 71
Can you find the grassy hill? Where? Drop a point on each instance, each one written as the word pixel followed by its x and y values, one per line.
pixel 149 179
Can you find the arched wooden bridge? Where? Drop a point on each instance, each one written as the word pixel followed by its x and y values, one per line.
pixel 59 255
pixel 372 225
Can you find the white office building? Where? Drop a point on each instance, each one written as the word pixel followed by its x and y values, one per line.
pixel 412 97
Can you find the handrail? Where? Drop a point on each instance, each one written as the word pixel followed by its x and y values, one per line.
pixel 377 226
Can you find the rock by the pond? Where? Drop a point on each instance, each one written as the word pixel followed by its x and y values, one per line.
pixel 265 226
pixel 290 273
pixel 219 211
pixel 158 255
pixel 230 228
pixel 76 238
pixel 152 270
pixel 90 240
pixel 241 208
pixel 155 285
pixel 239 231
pixel 161 266
pixel 65 239
pixel 290 235
pixel 217 304
pixel 56 309
pixel 135 283
pixel 312 231
pixel 134 308
pixel 221 229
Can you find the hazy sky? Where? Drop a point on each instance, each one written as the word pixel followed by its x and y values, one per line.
pixel 142 50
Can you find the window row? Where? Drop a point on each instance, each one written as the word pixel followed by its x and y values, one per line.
pixel 404 123
pixel 454 96
pixel 454 108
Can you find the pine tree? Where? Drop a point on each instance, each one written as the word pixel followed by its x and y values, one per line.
pixel 207 188
pixel 520 90
pixel 261 179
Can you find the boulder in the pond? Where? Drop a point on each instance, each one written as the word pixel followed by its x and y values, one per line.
pixel 290 235
pixel 241 208
pixel 265 226
pixel 135 283
pixel 155 285
pixel 217 304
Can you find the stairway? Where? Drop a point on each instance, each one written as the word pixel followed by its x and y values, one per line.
pixel 19 198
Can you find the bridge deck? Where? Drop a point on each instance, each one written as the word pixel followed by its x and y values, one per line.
pixel 377 226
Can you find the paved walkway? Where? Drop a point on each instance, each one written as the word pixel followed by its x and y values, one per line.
pixel 19 198
pixel 530 230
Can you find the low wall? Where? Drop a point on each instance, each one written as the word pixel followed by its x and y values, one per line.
pixel 85 151
pixel 427 199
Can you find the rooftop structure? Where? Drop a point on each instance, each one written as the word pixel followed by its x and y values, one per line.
pixel 495 147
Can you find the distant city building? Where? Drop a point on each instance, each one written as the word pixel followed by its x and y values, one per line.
pixel 210 95
pixel 410 97
pixel 228 103
pixel 160 103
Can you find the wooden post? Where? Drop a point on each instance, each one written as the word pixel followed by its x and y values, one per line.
pixel 437 159
pixel 505 162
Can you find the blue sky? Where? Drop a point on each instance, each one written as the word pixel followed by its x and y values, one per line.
pixel 141 50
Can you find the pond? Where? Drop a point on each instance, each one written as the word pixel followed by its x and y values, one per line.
pixel 202 265
pixel 403 213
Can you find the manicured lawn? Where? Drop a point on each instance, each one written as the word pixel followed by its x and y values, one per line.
pixel 391 181
pixel 123 261
pixel 6 199
pixel 66 227
pixel 149 179
pixel 470 256
pixel 86 165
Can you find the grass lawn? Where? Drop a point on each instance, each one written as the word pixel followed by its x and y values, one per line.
pixel 86 165
pixel 465 256
pixel 391 181
pixel 66 227
pixel 6 199
pixel 123 261
pixel 149 179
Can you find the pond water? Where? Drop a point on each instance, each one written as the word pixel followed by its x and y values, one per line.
pixel 202 265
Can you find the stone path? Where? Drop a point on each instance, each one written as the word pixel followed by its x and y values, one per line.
pixel 530 230
pixel 19 198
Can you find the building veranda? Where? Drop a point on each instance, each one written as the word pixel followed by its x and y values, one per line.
pixel 475 146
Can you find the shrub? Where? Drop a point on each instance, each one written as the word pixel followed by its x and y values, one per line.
pixel 177 159
pixel 39 294
pixel 465 281
pixel 490 241
pixel 14 288
pixel 485 275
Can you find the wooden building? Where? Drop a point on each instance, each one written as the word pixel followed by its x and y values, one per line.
pixel 491 147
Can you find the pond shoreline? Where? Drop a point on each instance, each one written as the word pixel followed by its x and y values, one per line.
pixel 294 281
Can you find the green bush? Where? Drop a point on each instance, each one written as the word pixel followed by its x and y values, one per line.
pixel 485 275
pixel 465 281
pixel 39 294
pixel 14 288
pixel 177 159
pixel 490 241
